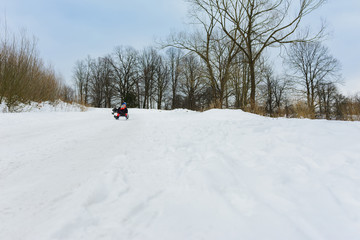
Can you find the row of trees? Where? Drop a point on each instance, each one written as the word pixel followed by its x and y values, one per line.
pixel 222 63
pixel 156 79
pixel 146 79
pixel 23 75
pixel 245 27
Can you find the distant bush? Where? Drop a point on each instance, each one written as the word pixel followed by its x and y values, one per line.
pixel 348 108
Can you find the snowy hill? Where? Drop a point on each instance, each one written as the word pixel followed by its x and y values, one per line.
pixel 221 174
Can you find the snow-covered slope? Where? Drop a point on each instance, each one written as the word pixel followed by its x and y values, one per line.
pixel 221 174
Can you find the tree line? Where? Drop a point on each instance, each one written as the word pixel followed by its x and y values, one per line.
pixel 144 79
pixel 223 63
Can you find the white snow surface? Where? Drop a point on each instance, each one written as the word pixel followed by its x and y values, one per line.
pixel 220 174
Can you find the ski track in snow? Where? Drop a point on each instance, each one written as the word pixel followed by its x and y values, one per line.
pixel 221 174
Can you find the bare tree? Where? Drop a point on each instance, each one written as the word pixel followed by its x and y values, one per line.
pixel 274 89
pixel 269 91
pixel 255 25
pixel 162 80
pixel 101 83
pixel 217 53
pixel 147 67
pixel 125 66
pixel 280 89
pixel 327 93
pixel 240 82
pixel 312 65
pixel 108 81
pixel 82 77
pixel 174 57
pixel 67 93
pixel 192 82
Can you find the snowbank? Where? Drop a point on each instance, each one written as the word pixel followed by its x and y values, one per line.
pixel 57 106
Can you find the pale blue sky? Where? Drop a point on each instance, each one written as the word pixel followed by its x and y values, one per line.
pixel 69 30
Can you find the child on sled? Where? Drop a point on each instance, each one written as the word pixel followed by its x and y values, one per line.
pixel 121 111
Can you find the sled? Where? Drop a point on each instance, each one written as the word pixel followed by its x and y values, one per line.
pixel 118 115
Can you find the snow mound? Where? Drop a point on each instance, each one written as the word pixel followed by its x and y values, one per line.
pixel 57 106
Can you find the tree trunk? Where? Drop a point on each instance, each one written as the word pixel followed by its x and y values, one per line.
pixel 253 85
